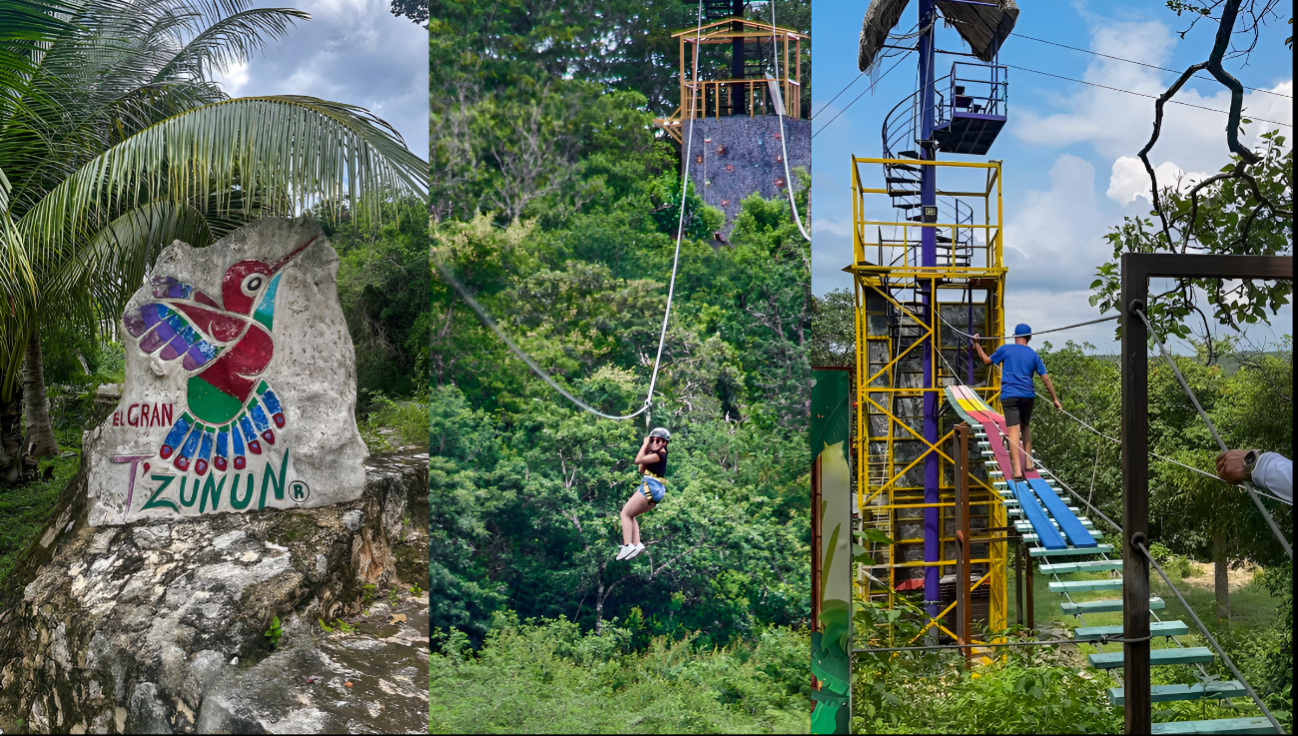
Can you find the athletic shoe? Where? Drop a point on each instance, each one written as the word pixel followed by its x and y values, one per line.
pixel 624 551
pixel 635 551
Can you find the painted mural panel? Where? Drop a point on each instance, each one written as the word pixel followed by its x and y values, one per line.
pixel 832 638
pixel 240 384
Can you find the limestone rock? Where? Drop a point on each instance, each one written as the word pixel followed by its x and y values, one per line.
pixel 160 626
pixel 240 384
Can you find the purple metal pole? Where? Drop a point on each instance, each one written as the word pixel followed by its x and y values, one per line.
pixel 928 259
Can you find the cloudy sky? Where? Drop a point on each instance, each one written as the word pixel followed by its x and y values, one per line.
pixel 353 51
pixel 1068 149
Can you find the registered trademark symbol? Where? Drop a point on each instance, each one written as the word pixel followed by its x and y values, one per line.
pixel 299 491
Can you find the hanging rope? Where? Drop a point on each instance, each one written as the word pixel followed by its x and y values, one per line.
pixel 1203 629
pixel 1034 332
pixel 779 112
pixel 671 288
pixel 1248 486
pixel 1208 635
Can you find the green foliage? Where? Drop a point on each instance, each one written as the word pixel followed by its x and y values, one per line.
pixel 384 294
pixel 389 425
pixel 510 124
pixel 1026 690
pixel 1176 566
pixel 525 489
pixel 274 632
pixel 833 329
pixel 547 676
pixel 1227 217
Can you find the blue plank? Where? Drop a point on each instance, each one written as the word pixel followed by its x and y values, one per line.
pixel 1186 655
pixel 1168 693
pixel 1070 551
pixel 1049 538
pixel 1220 725
pixel 1106 605
pixel 1072 528
pixel 1156 628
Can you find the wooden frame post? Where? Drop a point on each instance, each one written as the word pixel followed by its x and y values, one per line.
pixel 1137 270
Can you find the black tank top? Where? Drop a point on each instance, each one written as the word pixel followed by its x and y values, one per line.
pixel 659 468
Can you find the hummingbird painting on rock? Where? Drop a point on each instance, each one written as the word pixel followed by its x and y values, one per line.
pixel 223 348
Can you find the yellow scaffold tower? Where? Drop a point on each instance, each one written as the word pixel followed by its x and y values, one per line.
pixel 898 337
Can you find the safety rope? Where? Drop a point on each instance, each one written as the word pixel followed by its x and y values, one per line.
pixel 1208 635
pixel 1248 485
pixel 779 112
pixel 671 288
pixel 962 333
pixel 1175 592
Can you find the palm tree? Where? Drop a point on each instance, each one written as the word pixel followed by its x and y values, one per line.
pixel 114 141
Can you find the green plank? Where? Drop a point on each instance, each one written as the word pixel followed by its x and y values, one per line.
pixel 1072 586
pixel 1061 568
pixel 1168 693
pixel 1101 549
pixel 1219 725
pixel 1107 605
pixel 1156 628
pixel 1177 655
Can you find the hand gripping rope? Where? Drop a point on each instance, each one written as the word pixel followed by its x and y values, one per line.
pixel 671 289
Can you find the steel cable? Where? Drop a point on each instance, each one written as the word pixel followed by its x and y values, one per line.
pixel 671 288
pixel 1248 486
pixel 779 111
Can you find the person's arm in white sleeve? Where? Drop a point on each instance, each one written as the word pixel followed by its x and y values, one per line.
pixel 1274 472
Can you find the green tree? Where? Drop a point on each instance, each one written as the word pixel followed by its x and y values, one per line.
pixel 117 142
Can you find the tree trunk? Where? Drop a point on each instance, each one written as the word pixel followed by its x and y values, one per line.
pixel 1221 582
pixel 11 438
pixel 40 435
pixel 599 603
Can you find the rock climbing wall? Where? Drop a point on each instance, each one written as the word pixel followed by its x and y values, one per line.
pixel 240 386
pixel 732 157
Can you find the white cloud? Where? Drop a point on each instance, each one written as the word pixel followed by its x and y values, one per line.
pixel 353 51
pixel 1129 179
pixel 1117 124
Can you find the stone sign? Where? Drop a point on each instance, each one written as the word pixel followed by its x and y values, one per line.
pixel 240 387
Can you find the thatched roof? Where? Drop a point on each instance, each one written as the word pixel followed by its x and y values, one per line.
pixel 983 28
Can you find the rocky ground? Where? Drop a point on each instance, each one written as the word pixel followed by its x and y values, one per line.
pixel 170 627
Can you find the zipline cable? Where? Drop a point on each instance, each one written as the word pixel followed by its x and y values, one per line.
pixel 960 332
pixel 1166 459
pixel 490 323
pixel 1119 58
pixel 779 111
pixel 1248 485
pixel 873 84
pixel 1141 63
pixel 671 289
pixel 1140 94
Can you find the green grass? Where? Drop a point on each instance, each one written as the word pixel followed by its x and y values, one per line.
pixel 391 425
pixel 549 677
pixel 26 507
pixel 1252 614
pixel 1250 606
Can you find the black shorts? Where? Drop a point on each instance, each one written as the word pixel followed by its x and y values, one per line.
pixel 1018 411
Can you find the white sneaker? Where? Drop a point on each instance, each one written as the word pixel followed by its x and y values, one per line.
pixel 635 551
pixel 624 551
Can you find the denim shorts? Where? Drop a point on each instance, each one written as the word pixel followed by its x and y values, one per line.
pixel 652 488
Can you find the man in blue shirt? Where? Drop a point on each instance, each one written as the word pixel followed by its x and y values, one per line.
pixel 1018 362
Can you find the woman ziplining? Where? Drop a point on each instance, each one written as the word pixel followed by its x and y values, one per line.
pixel 651 462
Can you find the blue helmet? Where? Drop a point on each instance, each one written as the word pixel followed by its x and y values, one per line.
pixel 1022 330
